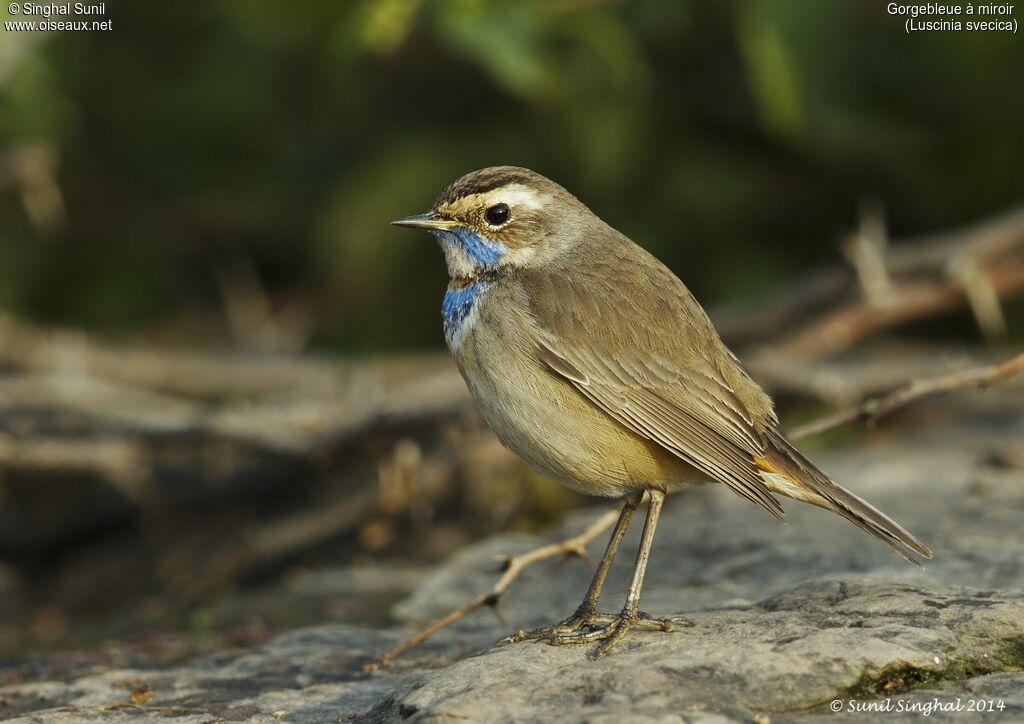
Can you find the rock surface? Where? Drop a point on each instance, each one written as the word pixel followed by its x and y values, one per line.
pixel 787 619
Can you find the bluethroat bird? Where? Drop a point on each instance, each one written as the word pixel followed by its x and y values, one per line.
pixel 594 363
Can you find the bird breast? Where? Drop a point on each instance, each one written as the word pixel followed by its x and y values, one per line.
pixel 539 416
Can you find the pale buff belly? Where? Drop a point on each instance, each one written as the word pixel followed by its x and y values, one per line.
pixel 554 428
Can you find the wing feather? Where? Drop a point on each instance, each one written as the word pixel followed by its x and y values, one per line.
pixel 652 361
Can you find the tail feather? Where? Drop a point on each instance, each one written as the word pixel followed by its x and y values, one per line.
pixel 797 477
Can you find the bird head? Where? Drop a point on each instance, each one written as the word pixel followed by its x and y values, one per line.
pixel 499 218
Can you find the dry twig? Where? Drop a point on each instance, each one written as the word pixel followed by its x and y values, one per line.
pixel 512 567
pixel 869 410
pixel 872 409
pixel 835 332
pixel 895 283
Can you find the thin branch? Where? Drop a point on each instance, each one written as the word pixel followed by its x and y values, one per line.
pixel 872 409
pixel 866 250
pixel 512 568
pixel 838 330
pixel 827 299
pixel 982 296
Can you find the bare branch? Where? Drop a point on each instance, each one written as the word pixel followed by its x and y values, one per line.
pixel 872 409
pixel 982 296
pixel 823 313
pixel 866 250
pixel 840 329
pixel 512 568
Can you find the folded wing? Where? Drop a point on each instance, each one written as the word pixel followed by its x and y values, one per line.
pixel 671 389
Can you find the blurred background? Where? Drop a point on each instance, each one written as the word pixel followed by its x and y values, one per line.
pixel 224 402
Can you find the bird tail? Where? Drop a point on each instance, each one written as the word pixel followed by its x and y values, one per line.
pixel 788 472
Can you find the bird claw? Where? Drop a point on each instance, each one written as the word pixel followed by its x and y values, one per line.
pixel 573 624
pixel 584 628
pixel 667 624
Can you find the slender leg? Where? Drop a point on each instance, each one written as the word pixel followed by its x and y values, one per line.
pixel 593 595
pixel 644 553
pixel 632 607
pixel 616 628
pixel 587 611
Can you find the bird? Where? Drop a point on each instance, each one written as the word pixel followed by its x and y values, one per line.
pixel 593 362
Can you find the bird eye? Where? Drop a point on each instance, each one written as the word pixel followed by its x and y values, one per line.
pixel 497 214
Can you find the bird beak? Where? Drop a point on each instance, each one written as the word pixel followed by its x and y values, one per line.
pixel 430 221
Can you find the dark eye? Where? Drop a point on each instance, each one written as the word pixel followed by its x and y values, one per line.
pixel 497 214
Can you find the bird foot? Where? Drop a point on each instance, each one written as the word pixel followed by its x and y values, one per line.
pixel 582 619
pixel 588 627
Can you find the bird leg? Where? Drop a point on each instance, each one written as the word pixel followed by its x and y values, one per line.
pixel 615 627
pixel 587 613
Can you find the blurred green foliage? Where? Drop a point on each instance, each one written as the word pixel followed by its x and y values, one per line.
pixel 206 149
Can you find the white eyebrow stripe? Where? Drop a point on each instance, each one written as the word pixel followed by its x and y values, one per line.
pixel 515 195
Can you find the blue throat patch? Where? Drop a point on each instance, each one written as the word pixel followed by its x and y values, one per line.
pixel 484 255
pixel 482 251
pixel 457 305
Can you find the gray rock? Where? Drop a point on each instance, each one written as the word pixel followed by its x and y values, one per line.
pixel 308 675
pixel 793 652
pixel 788 618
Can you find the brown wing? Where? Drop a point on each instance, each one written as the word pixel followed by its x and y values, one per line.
pixel 630 337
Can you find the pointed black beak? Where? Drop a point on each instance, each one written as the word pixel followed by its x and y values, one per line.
pixel 430 221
